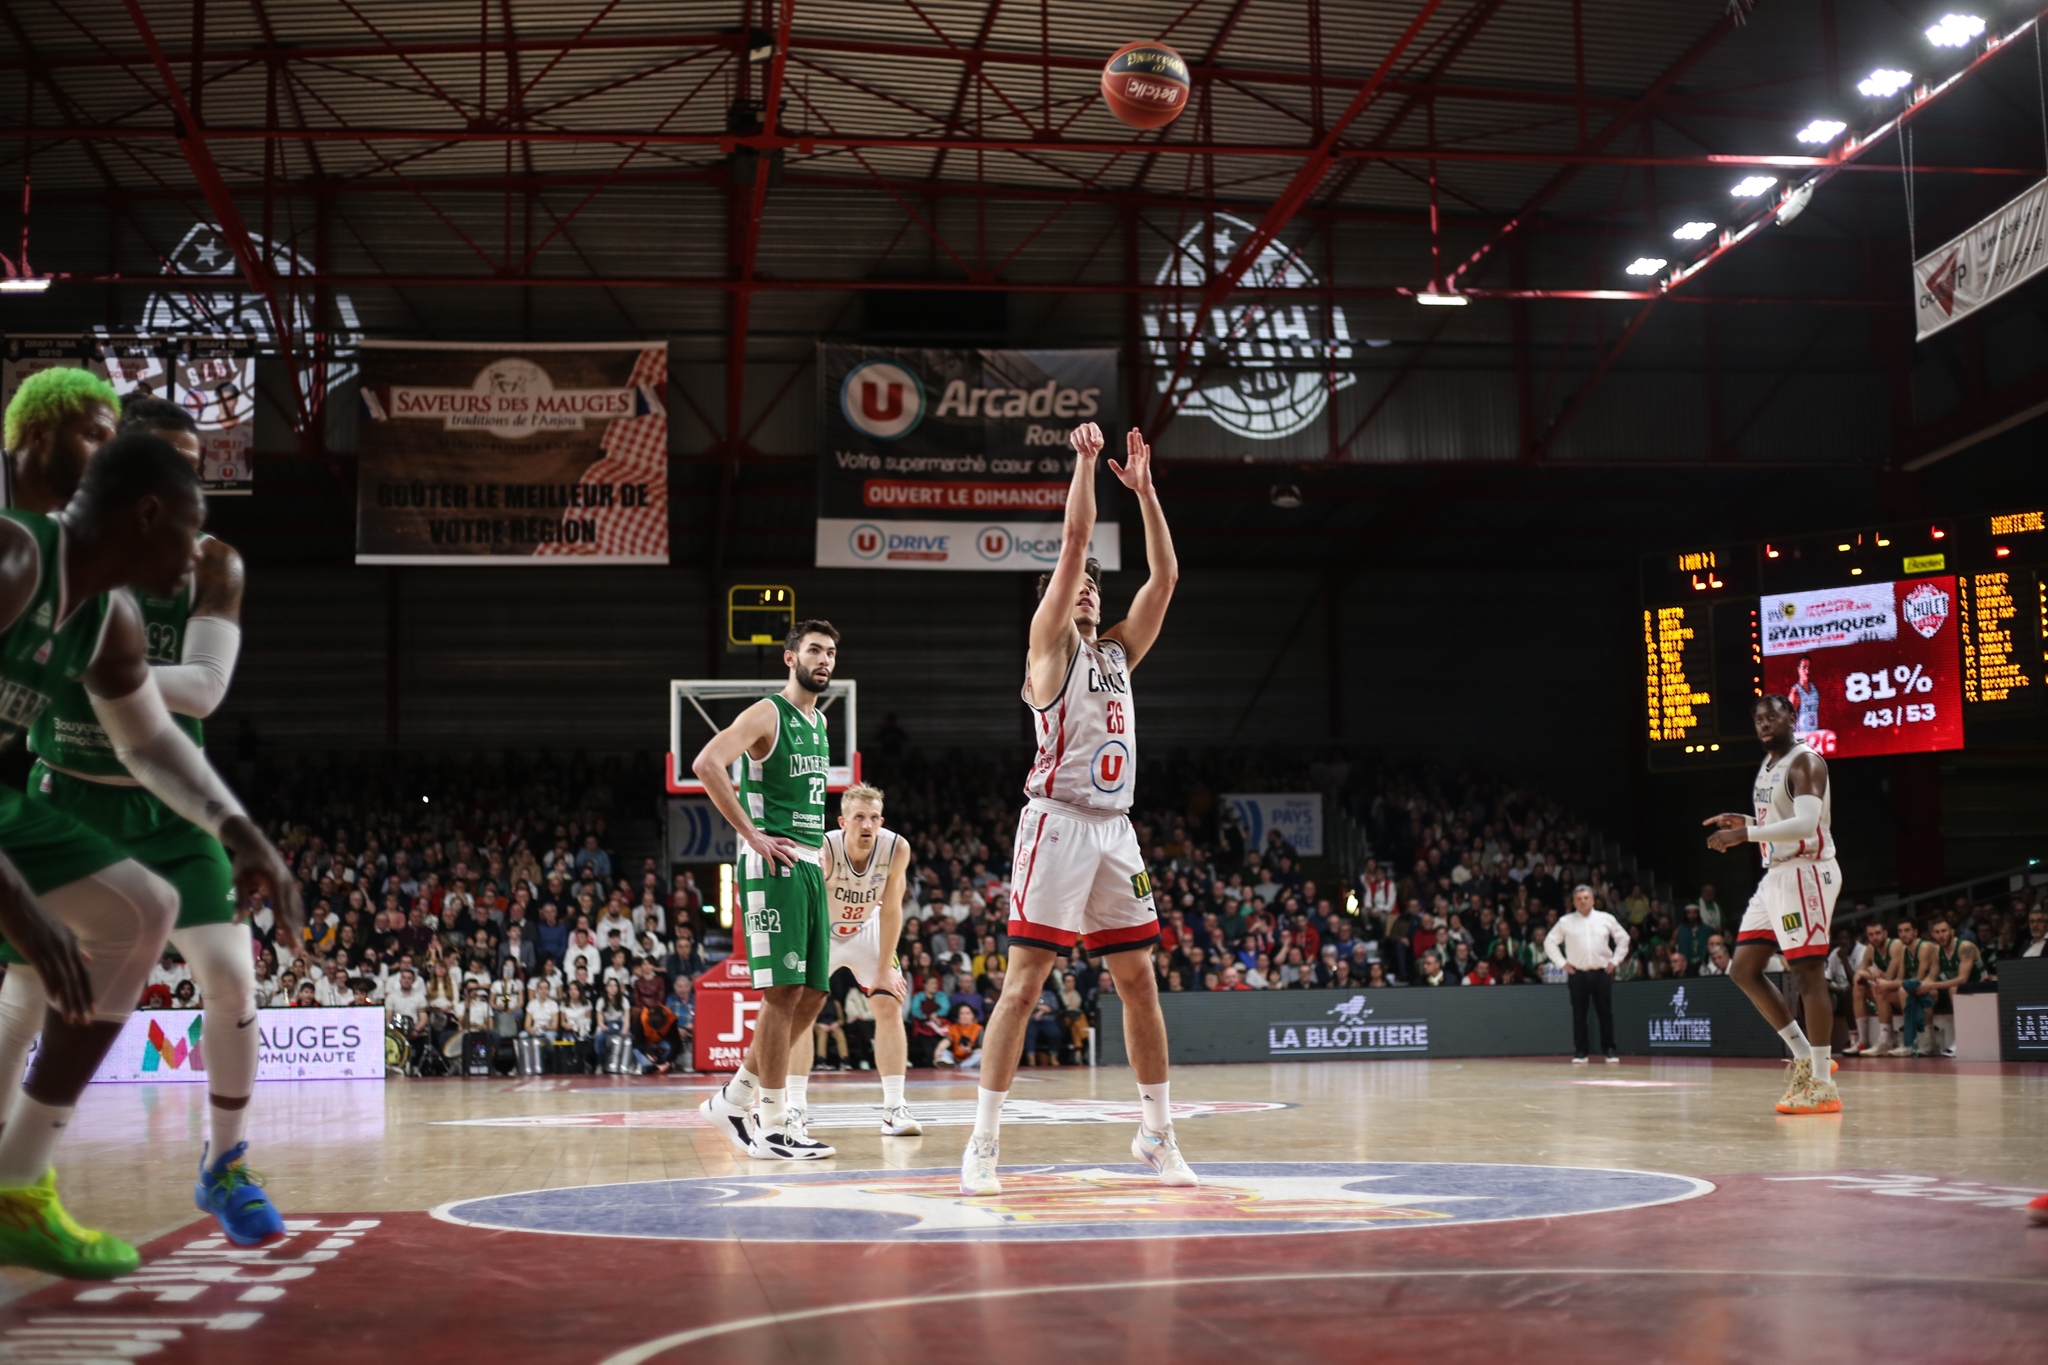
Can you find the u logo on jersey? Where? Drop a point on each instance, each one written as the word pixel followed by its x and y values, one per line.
pixel 1110 769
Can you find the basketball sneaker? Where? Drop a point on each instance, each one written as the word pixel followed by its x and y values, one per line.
pixel 736 1123
pixel 2037 1212
pixel 1162 1153
pixel 234 1195
pixel 791 1143
pixel 978 1166
pixel 1798 1075
pixel 899 1122
pixel 36 1232
pixel 1819 1097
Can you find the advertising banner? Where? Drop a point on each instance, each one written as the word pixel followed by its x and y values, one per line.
pixel 530 454
pixel 1706 1016
pixel 1297 816
pixel 168 1046
pixel 727 1005
pixel 1986 262
pixel 955 459
pixel 1352 1025
pixel 697 833
pixel 2023 1009
pixel 1870 669
pixel 211 377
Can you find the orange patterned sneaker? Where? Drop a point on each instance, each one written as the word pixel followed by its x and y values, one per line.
pixel 1819 1097
pixel 1798 1075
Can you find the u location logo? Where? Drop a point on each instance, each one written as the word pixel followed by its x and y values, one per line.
pixel 993 542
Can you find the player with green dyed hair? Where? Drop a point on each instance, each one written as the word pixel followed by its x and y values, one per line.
pixel 55 421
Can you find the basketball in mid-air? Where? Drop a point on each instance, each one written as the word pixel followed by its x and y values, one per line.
pixel 1145 84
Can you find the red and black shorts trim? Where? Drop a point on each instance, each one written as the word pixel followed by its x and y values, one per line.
pixel 1128 939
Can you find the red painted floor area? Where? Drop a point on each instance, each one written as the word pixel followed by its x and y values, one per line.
pixel 1838 1268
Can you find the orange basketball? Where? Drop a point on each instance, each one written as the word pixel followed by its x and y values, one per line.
pixel 1145 84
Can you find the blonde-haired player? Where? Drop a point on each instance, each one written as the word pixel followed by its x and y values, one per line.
pixel 866 869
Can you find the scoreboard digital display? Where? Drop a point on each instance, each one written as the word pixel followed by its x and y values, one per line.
pixel 1887 640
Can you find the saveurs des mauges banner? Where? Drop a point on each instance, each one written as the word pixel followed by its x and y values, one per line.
pixel 945 459
pixel 529 454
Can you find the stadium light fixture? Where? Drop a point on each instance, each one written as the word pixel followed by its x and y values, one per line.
pixel 1646 265
pixel 1750 187
pixel 1884 82
pixel 32 285
pixel 1954 30
pixel 1692 232
pixel 1822 130
pixel 1431 299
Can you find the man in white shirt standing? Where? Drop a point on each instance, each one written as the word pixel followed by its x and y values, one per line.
pixel 1587 943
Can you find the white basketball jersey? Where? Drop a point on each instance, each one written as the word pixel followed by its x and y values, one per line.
pixel 1773 800
pixel 1088 737
pixel 854 897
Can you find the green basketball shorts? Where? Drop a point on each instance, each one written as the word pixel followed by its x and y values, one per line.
pixel 152 834
pixel 789 932
pixel 50 848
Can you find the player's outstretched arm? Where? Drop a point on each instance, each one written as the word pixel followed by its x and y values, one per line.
pixel 756 727
pixel 125 698
pixel 891 917
pixel 1137 631
pixel 198 683
pixel 1052 625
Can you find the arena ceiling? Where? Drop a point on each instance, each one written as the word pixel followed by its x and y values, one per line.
pixel 320 169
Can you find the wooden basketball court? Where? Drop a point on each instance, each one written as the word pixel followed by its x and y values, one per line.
pixel 1445 1210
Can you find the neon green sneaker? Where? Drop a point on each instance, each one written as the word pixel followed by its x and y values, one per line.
pixel 37 1233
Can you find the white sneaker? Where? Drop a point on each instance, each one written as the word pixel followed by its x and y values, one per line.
pixel 1578 1061
pixel 1614 1059
pixel 899 1122
pixel 1900 1051
pixel 978 1166
pixel 1162 1153
pixel 736 1123
pixel 791 1143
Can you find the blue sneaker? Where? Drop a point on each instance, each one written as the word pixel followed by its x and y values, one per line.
pixel 233 1193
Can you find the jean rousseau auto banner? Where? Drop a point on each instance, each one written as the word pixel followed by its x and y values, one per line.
pixel 938 459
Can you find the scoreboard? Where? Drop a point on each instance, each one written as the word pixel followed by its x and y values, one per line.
pixel 1907 638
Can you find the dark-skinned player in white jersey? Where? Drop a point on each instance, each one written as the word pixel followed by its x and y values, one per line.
pixel 1792 911
pixel 1076 871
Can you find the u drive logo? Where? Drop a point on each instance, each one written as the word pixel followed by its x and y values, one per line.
pixel 1110 769
pixel 866 541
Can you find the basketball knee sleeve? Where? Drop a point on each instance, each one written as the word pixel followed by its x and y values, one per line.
pixel 121 916
pixel 23 1003
pixel 225 972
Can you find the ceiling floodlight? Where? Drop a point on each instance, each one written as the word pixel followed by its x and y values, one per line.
pixel 1822 130
pixel 1647 265
pixel 29 286
pixel 1953 30
pixel 1433 299
pixel 1884 81
pixel 1752 186
pixel 1692 232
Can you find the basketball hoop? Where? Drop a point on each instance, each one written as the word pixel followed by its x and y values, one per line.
pixel 712 698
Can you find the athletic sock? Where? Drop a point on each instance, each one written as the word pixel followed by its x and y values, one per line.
pixel 229 1127
pixel 1152 1101
pixel 1823 1058
pixel 774 1109
pixel 743 1089
pixel 30 1139
pixel 988 1111
pixel 1795 1040
pixel 797 1086
pixel 892 1092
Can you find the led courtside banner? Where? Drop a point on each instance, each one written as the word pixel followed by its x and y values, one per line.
pixel 211 377
pixel 932 459
pixel 528 454
pixel 167 1046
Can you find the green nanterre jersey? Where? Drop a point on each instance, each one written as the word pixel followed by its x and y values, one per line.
pixel 785 792
pixel 69 734
pixel 40 656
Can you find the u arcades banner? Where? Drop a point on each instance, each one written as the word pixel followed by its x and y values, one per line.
pixel 956 459
pixel 211 377
pixel 528 454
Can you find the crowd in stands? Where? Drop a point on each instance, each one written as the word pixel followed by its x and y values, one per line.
pixel 485 898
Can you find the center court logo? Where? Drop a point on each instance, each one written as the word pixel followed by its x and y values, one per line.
pixel 1074 1203
pixel 882 399
pixel 1679 1028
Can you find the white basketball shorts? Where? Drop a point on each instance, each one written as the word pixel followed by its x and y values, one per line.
pixel 861 953
pixel 1078 875
pixel 1794 907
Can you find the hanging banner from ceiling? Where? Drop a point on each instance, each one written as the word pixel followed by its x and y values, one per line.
pixel 956 459
pixel 211 377
pixel 529 454
pixel 1983 264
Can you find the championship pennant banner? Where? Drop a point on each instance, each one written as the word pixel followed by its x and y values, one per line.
pixel 1985 263
pixel 935 459
pixel 536 454
pixel 213 378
